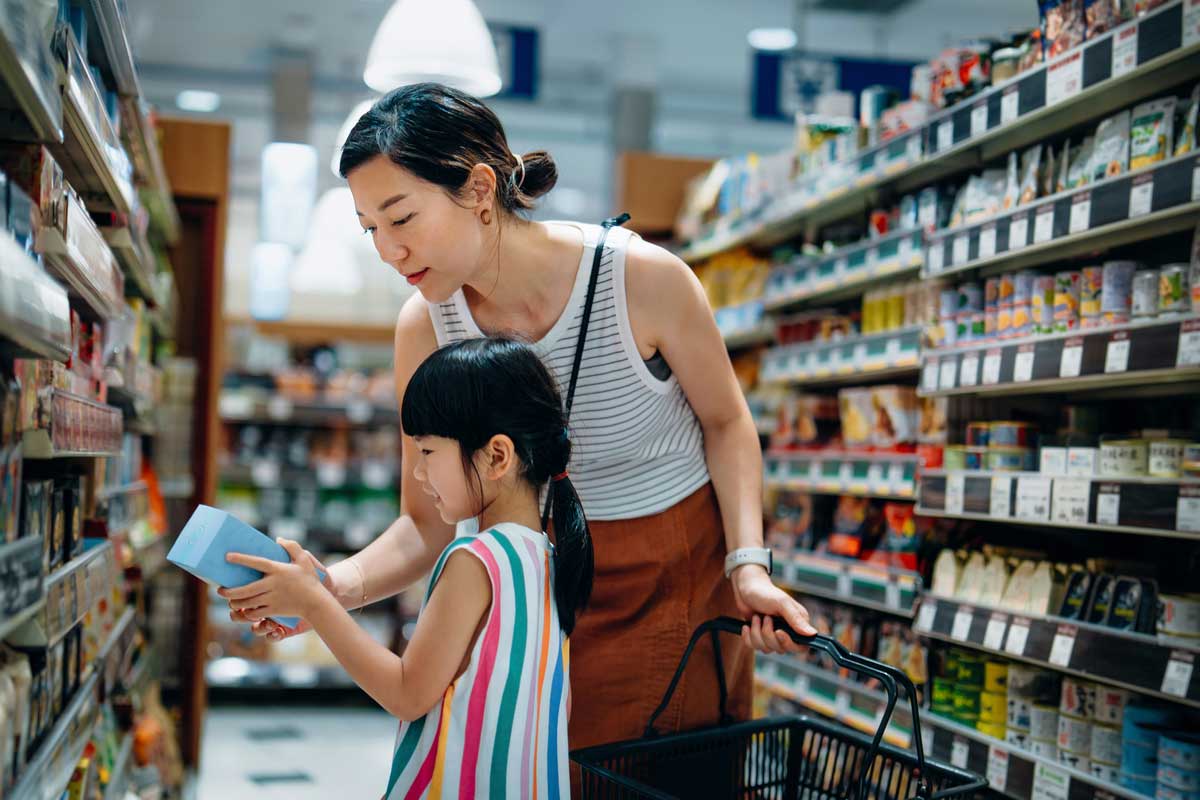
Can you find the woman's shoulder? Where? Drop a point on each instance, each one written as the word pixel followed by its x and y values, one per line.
pixel 415 337
pixel 654 275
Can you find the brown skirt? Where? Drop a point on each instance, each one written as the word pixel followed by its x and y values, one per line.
pixel 657 578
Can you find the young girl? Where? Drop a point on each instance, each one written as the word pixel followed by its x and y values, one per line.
pixel 482 688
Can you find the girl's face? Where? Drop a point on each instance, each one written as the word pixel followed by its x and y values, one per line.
pixel 439 468
pixel 434 240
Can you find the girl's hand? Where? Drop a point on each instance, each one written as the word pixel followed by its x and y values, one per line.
pixel 759 599
pixel 288 590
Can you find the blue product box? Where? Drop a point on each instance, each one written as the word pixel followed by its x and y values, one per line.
pixel 209 536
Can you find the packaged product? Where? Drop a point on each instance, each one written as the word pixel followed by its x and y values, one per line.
pixel 1104 15
pixel 1031 51
pixel 1077 174
pixel 894 409
pixel 1185 142
pixel 1151 132
pixel 1012 182
pixel 1062 25
pixel 1110 154
pixel 1031 163
pixel 857 415
pixel 1049 175
pixel 1142 6
pixel 1064 166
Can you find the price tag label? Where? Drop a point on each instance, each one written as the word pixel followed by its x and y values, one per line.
pixel 979 118
pixel 359 411
pixel 1081 212
pixel 1124 49
pixel 929 375
pixel 968 371
pixel 1141 195
pixel 945 135
pixel 987 241
pixel 1191 22
pixel 1009 105
pixel 1043 227
pixel 962 248
pixel 845 473
pixel 1189 344
pixel 1108 505
pixel 1072 497
pixel 993 638
pixel 913 148
pixel 1178 675
pixel 265 472
pixel 843 584
pixel 926 615
pixel 961 629
pixel 1072 358
pixel 892 350
pixel 997 771
pixel 937 254
pixel 1064 78
pixel 875 477
pixel 1018 232
pixel 1033 498
pixel 1001 497
pixel 948 372
pixel 1116 356
pixel 897 479
pixel 991 367
pixel 955 492
pixel 1023 369
pixel 1018 635
pixel 279 408
pixel 959 752
pixel 892 595
pixel 841 266
pixel 1187 510
pixel 1050 783
pixel 1063 646
pixel 906 251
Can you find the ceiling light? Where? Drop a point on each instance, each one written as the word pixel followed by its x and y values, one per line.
pixel 289 189
pixel 198 100
pixel 773 39
pixel 442 41
pixel 353 117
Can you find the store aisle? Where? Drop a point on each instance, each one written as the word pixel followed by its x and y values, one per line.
pixel 294 753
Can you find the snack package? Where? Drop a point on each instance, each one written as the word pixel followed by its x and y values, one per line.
pixel 1049 176
pixel 1031 51
pixel 1077 173
pixel 1104 15
pixel 1012 182
pixel 895 415
pixel 991 201
pixel 1186 141
pixel 857 415
pixel 1062 25
pixel 1064 165
pixel 1031 164
pixel 1110 154
pixel 1151 132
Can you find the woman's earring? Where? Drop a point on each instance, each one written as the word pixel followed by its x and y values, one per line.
pixel 485 216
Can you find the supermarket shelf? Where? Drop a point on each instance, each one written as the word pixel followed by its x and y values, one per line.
pixel 46 775
pixel 1011 770
pixel 11 623
pixel 315 333
pixel 266 474
pixel 1133 207
pixel 1018 113
pixel 21 566
pixel 886 475
pixel 119 777
pixel 873 357
pixel 846 272
pixel 1148 506
pixel 115 58
pixel 27 77
pixel 762 333
pixel 879 588
pixel 1157 351
pixel 38 445
pixel 1134 661
pixel 35 314
pixel 71 591
pixel 241 673
pixel 131 255
pixel 278 410
pixel 822 690
pixel 115 651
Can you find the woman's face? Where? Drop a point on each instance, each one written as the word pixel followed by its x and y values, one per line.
pixel 432 239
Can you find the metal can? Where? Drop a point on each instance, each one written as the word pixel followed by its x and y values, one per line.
pixel 947 303
pixel 1091 289
pixel 1173 294
pixel 970 297
pixel 1022 322
pixel 1145 293
pixel 1007 287
pixel 1004 321
pixel 991 323
pixel 1011 459
pixel 1013 434
pixel 991 294
pixel 1023 286
pixel 1042 304
pixel 1116 293
pixel 1066 300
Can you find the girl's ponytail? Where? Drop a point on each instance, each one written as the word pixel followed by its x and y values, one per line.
pixel 573 558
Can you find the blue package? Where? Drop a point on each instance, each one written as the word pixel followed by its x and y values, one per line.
pixel 1139 759
pixel 1139 785
pixel 210 535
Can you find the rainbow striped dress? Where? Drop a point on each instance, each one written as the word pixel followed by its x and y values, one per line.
pixel 501 728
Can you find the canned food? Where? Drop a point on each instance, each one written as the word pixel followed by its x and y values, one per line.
pixel 1145 293
pixel 1066 300
pixel 1011 459
pixel 1124 457
pixel 1166 458
pixel 1023 287
pixel 1005 319
pixel 975 458
pixel 1091 289
pixel 991 294
pixel 1116 294
pixel 978 434
pixel 1173 294
pixel 1022 321
pixel 1013 434
pixel 970 297
pixel 1042 304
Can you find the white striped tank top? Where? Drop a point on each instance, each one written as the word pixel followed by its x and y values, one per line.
pixel 501 728
pixel 637 447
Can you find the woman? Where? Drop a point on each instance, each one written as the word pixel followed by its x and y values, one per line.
pixel 666 460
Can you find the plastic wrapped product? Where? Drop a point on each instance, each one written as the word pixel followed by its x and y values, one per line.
pixel 1064 167
pixel 1077 173
pixel 1110 154
pixel 1151 132
pixel 1185 141
pixel 1012 182
pixel 1031 165
pixel 1104 15
pixel 1062 25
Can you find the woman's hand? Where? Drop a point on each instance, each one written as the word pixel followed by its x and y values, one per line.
pixel 287 590
pixel 759 599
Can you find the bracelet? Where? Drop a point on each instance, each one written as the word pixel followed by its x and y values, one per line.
pixel 361 579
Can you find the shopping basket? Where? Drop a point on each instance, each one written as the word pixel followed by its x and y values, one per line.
pixel 784 758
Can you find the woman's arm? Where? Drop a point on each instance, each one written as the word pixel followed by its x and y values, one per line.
pixel 669 312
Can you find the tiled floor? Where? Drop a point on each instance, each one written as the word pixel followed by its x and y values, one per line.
pixel 341 753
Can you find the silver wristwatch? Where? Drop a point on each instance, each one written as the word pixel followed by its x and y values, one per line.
pixel 749 555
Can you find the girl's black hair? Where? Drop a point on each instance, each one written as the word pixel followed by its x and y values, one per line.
pixel 473 390
pixel 440 134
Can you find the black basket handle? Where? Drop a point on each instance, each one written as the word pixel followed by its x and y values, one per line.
pixel 889 676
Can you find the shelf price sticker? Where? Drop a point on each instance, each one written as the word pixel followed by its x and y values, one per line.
pixel 1023 368
pixel 1064 78
pixel 987 241
pixel 892 594
pixel 279 408
pixel 991 367
pixel 1081 212
pixel 1000 504
pixel 997 769
pixel 1043 226
pixel 961 630
pixel 968 371
pixel 960 751
pixel 945 135
pixel 1187 510
pixel 1071 362
pixel 876 477
pixel 1191 22
pixel 1033 498
pixel 1063 645
pixel 1050 783
pixel 1071 499
pixel 1189 344
pixel 897 479
pixel 906 251
pixel 1108 504
pixel 937 256
pixel 1010 105
pixel 912 148
pixel 1116 356
pixel 926 615
pixel 1018 635
pixel 331 474
pixel 948 373
pixel 844 585
pixel 955 493
pixel 1018 232
pixel 979 118
pixel 1124 49
pixel 1141 195
pixel 929 376
pixel 962 248
pixel 993 638
pixel 1178 675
